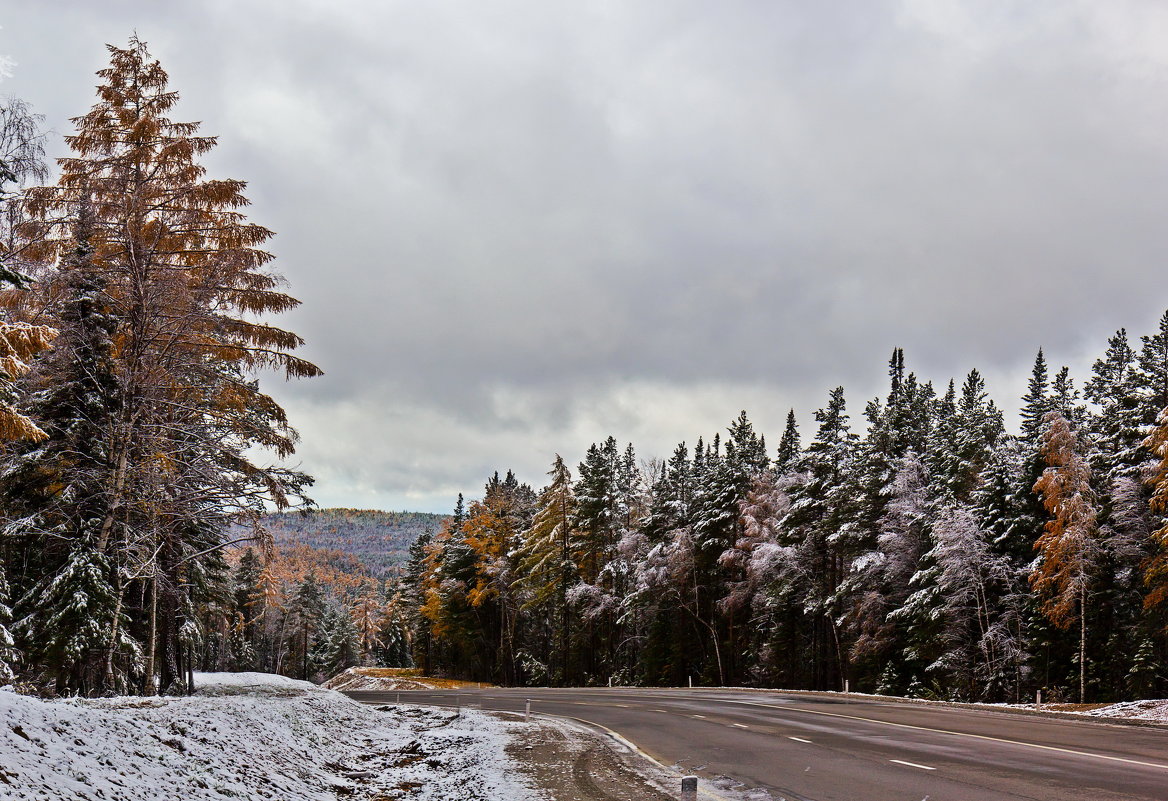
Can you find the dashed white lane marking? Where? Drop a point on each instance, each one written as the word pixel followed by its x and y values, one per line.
pixel 911 764
pixel 702 717
pixel 987 738
pixel 799 740
pixel 666 711
pixel 739 726
pixel 622 706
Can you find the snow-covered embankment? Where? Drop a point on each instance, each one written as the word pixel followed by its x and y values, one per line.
pixel 249 736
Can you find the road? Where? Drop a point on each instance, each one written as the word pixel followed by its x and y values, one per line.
pixel 852 748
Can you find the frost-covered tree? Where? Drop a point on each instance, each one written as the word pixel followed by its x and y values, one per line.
pixel 1068 550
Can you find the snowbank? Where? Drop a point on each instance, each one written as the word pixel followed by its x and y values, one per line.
pixel 1154 710
pixel 249 736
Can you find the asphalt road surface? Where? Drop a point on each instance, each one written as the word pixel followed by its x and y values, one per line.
pixel 850 748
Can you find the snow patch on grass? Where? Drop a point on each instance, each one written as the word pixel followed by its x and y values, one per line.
pixel 248 736
pixel 1154 710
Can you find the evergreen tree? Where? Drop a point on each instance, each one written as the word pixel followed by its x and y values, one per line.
pixel 305 615
pixel 789 446
pixel 547 567
pixel 823 507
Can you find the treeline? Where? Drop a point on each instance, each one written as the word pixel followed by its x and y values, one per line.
pixel 303 612
pixel 380 540
pixel 136 297
pixel 934 555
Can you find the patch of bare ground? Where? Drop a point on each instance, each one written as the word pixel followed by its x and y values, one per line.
pixel 572 764
pixel 368 678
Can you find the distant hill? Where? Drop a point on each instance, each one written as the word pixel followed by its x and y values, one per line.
pixel 380 540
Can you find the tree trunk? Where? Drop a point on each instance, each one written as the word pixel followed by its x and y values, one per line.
pixel 150 688
pixel 1082 644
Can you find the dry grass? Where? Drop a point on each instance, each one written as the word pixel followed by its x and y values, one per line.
pixel 414 674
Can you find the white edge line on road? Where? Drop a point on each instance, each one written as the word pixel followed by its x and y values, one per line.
pixel 799 740
pixel 911 764
pixel 985 737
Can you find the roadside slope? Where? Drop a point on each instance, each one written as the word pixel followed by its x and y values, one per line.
pixel 249 736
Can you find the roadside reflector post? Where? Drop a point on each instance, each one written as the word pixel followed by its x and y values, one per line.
pixel 689 788
pixel 1038 699
pixel 399 698
pixel 691 681
pixel 527 712
pixel 845 686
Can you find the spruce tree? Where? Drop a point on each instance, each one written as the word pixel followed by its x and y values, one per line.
pixel 789 446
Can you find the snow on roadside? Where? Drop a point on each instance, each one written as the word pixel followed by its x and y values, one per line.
pixel 248 736
pixel 1152 710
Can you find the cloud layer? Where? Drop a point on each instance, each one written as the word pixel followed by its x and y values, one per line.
pixel 518 227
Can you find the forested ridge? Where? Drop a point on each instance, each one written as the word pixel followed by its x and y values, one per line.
pixel 922 550
pixel 379 540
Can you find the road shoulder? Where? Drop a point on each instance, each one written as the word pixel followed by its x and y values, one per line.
pixel 569 762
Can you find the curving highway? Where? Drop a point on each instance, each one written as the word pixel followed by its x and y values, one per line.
pixel 853 748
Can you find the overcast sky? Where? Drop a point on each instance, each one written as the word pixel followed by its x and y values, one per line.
pixel 518 227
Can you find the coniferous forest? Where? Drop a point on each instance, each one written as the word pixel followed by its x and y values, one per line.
pixel 917 548
pixel 920 545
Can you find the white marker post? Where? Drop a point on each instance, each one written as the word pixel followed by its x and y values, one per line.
pixel 691 682
pixel 689 788
pixel 845 686
pixel 527 712
pixel 1038 699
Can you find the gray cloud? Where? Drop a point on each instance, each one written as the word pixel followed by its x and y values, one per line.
pixel 518 227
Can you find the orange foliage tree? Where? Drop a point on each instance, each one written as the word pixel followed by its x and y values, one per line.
pixel 1068 550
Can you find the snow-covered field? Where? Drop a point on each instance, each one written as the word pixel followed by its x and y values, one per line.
pixel 249 736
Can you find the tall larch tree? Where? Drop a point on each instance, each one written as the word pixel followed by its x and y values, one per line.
pixel 190 287
pixel 1068 551
pixel 547 567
